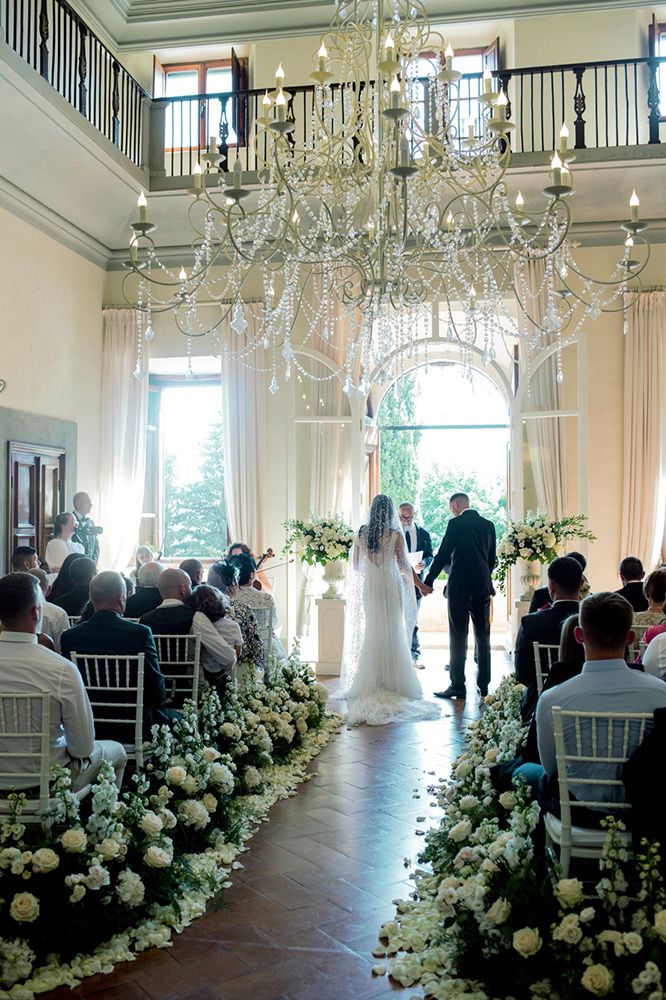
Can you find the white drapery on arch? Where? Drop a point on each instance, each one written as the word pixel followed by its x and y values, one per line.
pixel 243 408
pixel 123 440
pixel 644 486
pixel 545 435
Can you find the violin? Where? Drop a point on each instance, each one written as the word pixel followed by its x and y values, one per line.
pixel 268 554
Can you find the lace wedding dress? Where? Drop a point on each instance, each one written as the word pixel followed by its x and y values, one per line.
pixel 378 678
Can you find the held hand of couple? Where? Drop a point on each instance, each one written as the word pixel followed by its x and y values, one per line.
pixel 425 589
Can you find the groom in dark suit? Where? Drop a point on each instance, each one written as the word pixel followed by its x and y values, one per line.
pixel 418 540
pixel 467 554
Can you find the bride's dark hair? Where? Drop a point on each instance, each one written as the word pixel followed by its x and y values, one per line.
pixel 380 519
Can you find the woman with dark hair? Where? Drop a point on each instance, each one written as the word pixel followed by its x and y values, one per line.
pixel 61 545
pixel 224 577
pixel 654 588
pixel 210 602
pixel 63 582
pixel 378 678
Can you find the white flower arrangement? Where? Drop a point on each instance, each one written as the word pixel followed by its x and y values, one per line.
pixel 319 539
pixel 536 539
pixel 492 910
pixel 216 771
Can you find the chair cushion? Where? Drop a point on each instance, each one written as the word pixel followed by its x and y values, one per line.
pixel 580 836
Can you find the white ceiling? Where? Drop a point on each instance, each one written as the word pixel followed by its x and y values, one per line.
pixel 134 25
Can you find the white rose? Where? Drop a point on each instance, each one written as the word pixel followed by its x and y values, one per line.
pixel 527 941
pixel 633 942
pixel 461 830
pixel 587 914
pixel 176 775
pixel 210 754
pixel 193 813
pixel 24 907
pixel 597 979
pixel 508 800
pixel 222 776
pixel 468 802
pixel 74 840
pixel 78 892
pixel 97 877
pixel 108 849
pixel 168 818
pixel 569 891
pixel 189 785
pixel 45 860
pixel 151 823
pixel 660 924
pixel 499 912
pixel 210 802
pixel 569 930
pixel 156 857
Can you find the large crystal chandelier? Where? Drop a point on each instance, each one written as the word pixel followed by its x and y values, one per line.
pixel 382 209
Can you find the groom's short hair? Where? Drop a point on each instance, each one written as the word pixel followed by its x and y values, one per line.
pixel 459 496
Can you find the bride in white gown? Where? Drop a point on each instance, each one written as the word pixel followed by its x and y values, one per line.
pixel 378 677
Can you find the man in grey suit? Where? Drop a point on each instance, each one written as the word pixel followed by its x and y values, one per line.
pixel 467 554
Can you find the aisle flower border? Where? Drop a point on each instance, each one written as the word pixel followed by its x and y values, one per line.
pixel 491 919
pixel 161 850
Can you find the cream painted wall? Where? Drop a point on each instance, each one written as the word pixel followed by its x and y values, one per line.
pixel 52 336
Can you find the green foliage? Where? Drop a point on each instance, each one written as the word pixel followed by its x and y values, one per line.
pixel 195 516
pixel 487 496
pixel 399 450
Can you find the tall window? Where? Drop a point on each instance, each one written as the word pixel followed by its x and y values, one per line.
pixel 184 505
pixel 657 47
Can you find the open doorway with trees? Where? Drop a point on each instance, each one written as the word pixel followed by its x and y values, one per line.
pixel 442 431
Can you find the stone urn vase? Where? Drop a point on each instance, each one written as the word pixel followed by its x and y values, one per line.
pixel 529 574
pixel 334 575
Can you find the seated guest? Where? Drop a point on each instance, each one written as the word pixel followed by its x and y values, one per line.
pixel 25 666
pixel 147 596
pixel 54 620
pixel 238 549
pixel 654 589
pixel 224 578
pixel 25 558
pixel 107 633
pixel 130 584
pixel 541 597
pixel 175 617
pixel 632 573
pixel 81 573
pixel 61 545
pixel 209 602
pixel 255 599
pixel 654 657
pixel 652 630
pixel 564 580
pixel 194 569
pixel 143 555
pixel 63 582
pixel 606 684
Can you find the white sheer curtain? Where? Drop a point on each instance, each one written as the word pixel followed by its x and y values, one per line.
pixel 123 439
pixel 644 493
pixel 243 394
pixel 330 443
pixel 545 435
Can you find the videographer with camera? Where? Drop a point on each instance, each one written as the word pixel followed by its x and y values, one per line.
pixel 86 531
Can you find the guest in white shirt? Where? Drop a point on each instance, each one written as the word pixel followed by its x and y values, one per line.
pixel 654 657
pixel 55 620
pixel 26 667
pixel 61 545
pixel 209 602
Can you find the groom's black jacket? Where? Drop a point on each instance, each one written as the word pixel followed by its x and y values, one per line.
pixel 467 554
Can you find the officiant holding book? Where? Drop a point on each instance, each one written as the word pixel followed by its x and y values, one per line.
pixel 420 551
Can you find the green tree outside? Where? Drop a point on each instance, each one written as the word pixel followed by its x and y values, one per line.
pixel 399 474
pixel 487 496
pixel 194 514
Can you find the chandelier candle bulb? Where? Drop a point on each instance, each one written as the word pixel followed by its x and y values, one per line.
pixel 520 201
pixel 556 170
pixel 472 297
pixel 448 55
pixel 266 101
pixel 280 107
pixel 500 106
pixel 182 275
pixel 564 135
pixel 197 175
pixel 279 76
pixel 634 202
pixel 470 131
pixel 389 47
pixel 321 55
pixel 133 248
pixel 404 152
pixel 395 93
pixel 143 204
pixel 488 81
pixel 212 145
pixel 449 221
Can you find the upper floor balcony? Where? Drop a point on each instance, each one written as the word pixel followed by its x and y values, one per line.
pixel 612 109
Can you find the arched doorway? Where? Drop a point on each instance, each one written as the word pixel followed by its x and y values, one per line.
pixel 442 429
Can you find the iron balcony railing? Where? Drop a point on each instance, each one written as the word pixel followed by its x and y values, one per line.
pixel 605 104
pixel 57 43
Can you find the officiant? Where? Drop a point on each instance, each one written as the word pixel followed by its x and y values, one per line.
pixel 418 543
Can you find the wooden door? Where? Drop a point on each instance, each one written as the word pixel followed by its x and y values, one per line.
pixel 36 494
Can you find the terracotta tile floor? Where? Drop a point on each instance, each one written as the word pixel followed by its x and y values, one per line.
pixel 301 919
